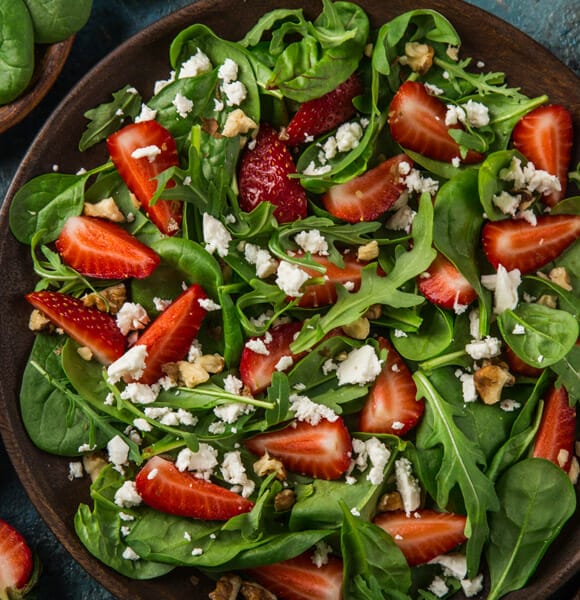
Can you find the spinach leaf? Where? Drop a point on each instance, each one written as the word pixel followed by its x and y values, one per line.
pixel 549 333
pixel 56 20
pixel 489 183
pixel 371 559
pixel 568 371
pixel 536 499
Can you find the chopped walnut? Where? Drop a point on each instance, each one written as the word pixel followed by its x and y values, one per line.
pixel 254 591
pixel 359 329
pixel 284 500
pixel 93 464
pixel 369 50
pixel 266 465
pixel 374 312
pixel 453 53
pixel 369 251
pixel 389 502
pixel 108 300
pixel 548 300
pixel 489 382
pixel 85 353
pixel 185 373
pixel 419 57
pixel 238 123
pixel 212 363
pixel 39 321
pixel 560 277
pixel 227 588
pixel 104 209
pixel 574 471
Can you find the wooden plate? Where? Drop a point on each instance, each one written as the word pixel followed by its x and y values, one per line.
pixel 140 61
pixel 49 61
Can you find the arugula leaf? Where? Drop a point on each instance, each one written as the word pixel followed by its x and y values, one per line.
pixel 568 371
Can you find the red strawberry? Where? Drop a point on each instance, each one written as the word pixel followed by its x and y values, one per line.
pixel 555 438
pixel 170 336
pixel 391 406
pixel 321 294
pixel 300 579
pixel 544 137
pixel 445 286
pixel 139 172
pixel 519 245
pixel 368 196
pixel 518 366
pixel 264 177
pixel 16 563
pixel 323 114
pixel 88 326
pixel 99 248
pixel 163 487
pixel 321 450
pixel 417 122
pixel 256 369
pixel 424 534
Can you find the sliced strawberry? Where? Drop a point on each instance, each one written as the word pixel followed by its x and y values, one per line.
pixel 417 122
pixel 88 326
pixel 424 534
pixel 444 285
pixel 139 172
pixel 99 248
pixel 16 562
pixel 256 368
pixel 163 487
pixel 264 177
pixel 300 579
pixel 391 406
pixel 322 294
pixel 556 435
pixel 321 450
pixel 544 137
pixel 368 196
pixel 323 114
pixel 518 366
pixel 519 245
pixel 170 336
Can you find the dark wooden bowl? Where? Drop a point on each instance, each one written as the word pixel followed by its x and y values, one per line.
pixel 502 47
pixel 49 61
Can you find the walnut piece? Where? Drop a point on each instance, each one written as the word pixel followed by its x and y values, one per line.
pixel 266 465
pixel 227 588
pixel 369 251
pixel 93 464
pixel 490 380
pixel 284 500
pixel 185 373
pixel 560 276
pixel 254 591
pixel 374 312
pixel 389 502
pixel 104 209
pixel 212 363
pixel 107 300
pixel 238 123
pixel 85 353
pixel 39 321
pixel 548 300
pixel 359 329
pixel 418 57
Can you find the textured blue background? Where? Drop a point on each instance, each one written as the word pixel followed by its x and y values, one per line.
pixel 553 23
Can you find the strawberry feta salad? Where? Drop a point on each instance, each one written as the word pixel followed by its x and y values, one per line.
pixel 312 328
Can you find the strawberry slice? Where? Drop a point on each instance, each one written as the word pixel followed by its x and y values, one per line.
pixel 264 177
pixel 391 406
pixel 322 294
pixel 556 435
pixel 170 336
pixel 417 122
pixel 141 151
pixel 368 196
pixel 88 326
pixel 424 534
pixel 99 248
pixel 518 366
pixel 519 245
pixel 544 137
pixel 163 487
pixel 445 286
pixel 16 563
pixel 300 579
pixel 256 368
pixel 321 450
pixel 323 114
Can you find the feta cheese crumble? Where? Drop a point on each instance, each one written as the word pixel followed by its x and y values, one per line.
pixel 217 238
pixel 234 473
pixel 195 65
pixel 290 278
pixel 149 152
pixel 130 364
pixel 505 285
pixel 407 485
pixel 131 316
pixel 200 463
pixel 486 348
pixel 361 366
pixel 312 241
pixel 311 412
pixel 127 495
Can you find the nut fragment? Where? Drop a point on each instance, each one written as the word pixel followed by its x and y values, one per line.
pixel 93 464
pixel 419 57
pixel 560 276
pixel 266 465
pixel 85 353
pixel 369 251
pixel 212 363
pixel 574 471
pixel 39 321
pixel 359 329
pixel 107 300
pixel 238 123
pixel 284 500
pixel 548 300
pixel 453 52
pixel 254 591
pixel 227 588
pixel 185 373
pixel 374 312
pixel 389 502
pixel 489 381
pixel 104 209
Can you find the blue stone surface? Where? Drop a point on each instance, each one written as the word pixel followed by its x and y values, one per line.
pixel 553 23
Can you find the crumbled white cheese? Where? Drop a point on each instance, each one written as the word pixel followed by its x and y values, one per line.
pixel 407 485
pixel 477 113
pixel 486 348
pixel 454 564
pixel 233 385
pixel 182 105
pixel 142 424
pixel 163 83
pixel 127 495
pixel 312 241
pixel 208 304
pixel 131 316
pixel 75 470
pixel 87 448
pixel 401 219
pixel 197 552
pixel 468 387
pixel 235 92
pixel 265 263
pixel 200 463
pixel 195 65
pixel 348 136
pixel 290 278
pixel 321 552
pixel 361 366
pixel 506 202
pixel 379 456
pixel 130 364
pixel 456 161
pixel 416 182
pixel 258 346
pixel 228 71
pixel 529 178
pixel 329 366
pixel 118 450
pixel 149 152
pixel 140 393
pixel 161 303
pixel 505 285
pixel 232 411
pixel 438 587
pixel 472 587
pixel 474 323
pixel 433 90
pixel 399 333
pixel 186 418
pixel 217 238
pixel 234 473
pixel 454 115
pixel 509 405
pixel 315 171
pixel 519 329
pixel 311 412
pixel 528 215
pixel 284 363
pixel 217 428
pixel 146 114
pixel 130 554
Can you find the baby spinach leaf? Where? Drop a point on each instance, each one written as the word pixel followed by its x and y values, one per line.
pixel 536 499
pixel 537 286
pixel 56 20
pixel 371 557
pixel 489 183
pixel 549 333
pixel 568 371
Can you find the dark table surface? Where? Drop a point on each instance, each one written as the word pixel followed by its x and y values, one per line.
pixel 553 23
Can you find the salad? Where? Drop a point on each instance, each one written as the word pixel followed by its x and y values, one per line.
pixel 311 328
